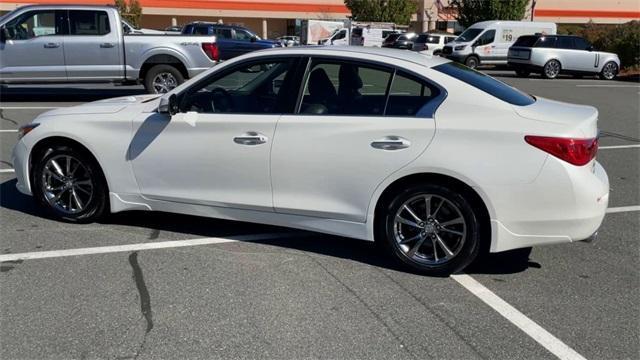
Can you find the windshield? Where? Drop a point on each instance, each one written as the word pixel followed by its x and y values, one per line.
pixel 486 83
pixel 469 35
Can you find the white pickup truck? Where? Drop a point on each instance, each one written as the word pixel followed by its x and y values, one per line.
pixel 69 43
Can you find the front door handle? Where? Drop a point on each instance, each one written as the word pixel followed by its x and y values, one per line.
pixel 107 45
pixel 250 138
pixel 391 143
pixel 51 45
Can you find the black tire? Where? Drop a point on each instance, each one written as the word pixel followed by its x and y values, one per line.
pixel 97 203
pixel 551 69
pixel 605 75
pixel 465 250
pixel 523 72
pixel 472 62
pixel 437 53
pixel 172 75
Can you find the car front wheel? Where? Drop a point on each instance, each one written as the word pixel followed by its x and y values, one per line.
pixel 431 229
pixel 609 71
pixel 472 62
pixel 70 184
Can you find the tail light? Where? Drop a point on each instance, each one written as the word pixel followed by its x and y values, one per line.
pixel 211 49
pixel 574 151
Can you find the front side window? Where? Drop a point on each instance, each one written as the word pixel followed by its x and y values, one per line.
pixel 408 95
pixel 486 38
pixel 345 88
pixel 581 44
pixel 88 22
pixel 340 35
pixel 37 23
pixel 468 35
pixel 486 83
pixel 449 39
pixel 243 35
pixel 250 88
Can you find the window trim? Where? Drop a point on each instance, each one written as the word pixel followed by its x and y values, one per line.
pixel 427 111
pixel 182 96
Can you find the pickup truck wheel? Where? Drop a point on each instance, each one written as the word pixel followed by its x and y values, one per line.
pixel 162 78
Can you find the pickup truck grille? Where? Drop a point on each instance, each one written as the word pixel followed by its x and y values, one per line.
pixel 447 50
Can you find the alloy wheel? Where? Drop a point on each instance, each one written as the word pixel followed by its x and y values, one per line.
pixel 610 70
pixel 552 69
pixel 164 82
pixel 429 229
pixel 66 184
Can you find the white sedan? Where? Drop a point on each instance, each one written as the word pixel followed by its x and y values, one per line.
pixel 435 161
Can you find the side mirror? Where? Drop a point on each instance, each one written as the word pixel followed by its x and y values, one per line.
pixel 4 35
pixel 168 105
pixel 590 48
pixel 254 39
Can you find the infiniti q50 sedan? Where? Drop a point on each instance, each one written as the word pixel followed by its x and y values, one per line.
pixel 431 159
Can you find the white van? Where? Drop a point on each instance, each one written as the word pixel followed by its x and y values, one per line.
pixel 364 34
pixel 488 42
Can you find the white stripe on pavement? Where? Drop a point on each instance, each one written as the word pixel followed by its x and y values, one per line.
pixel 618 147
pixel 6 171
pixel 28 107
pixel 535 331
pixel 611 86
pixel 623 209
pixel 143 246
pixel 9 131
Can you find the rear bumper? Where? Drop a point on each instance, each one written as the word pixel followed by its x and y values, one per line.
pixel 565 204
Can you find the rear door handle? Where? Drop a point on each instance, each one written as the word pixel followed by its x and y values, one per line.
pixel 391 142
pixel 250 138
pixel 51 45
pixel 107 45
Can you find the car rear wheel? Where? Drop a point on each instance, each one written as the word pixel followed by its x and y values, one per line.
pixel 162 78
pixel 609 71
pixel 431 229
pixel 70 184
pixel 551 69
pixel 472 62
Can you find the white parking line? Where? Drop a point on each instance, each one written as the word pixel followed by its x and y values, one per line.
pixel 143 246
pixel 610 86
pixel 6 171
pixel 623 209
pixel 618 147
pixel 9 131
pixel 28 107
pixel 535 331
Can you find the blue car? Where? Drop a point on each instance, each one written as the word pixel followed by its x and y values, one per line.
pixel 232 40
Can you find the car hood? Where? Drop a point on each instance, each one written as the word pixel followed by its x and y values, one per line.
pixel 578 120
pixel 107 106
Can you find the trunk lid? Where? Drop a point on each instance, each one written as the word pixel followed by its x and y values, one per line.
pixel 574 120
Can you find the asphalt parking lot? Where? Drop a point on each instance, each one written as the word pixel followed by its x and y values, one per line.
pixel 254 291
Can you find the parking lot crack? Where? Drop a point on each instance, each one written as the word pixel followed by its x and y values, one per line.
pixel 145 299
pixel 367 306
pixel 441 318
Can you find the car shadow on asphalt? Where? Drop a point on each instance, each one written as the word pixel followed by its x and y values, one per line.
pixel 309 242
pixel 64 94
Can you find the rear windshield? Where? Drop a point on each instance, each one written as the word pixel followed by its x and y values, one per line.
pixel 526 41
pixel 486 83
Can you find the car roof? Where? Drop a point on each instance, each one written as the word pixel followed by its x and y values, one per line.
pixel 396 54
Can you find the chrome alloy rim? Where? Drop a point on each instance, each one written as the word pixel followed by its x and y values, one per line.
pixel 553 68
pixel 164 82
pixel 429 229
pixel 66 184
pixel 609 70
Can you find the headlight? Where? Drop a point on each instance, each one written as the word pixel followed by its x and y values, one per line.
pixel 460 47
pixel 24 130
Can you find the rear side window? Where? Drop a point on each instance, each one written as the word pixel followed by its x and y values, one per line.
pixel 546 42
pixel 486 83
pixel 433 39
pixel 409 95
pixel 581 44
pixel 88 22
pixel 564 42
pixel 223 33
pixel 201 30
